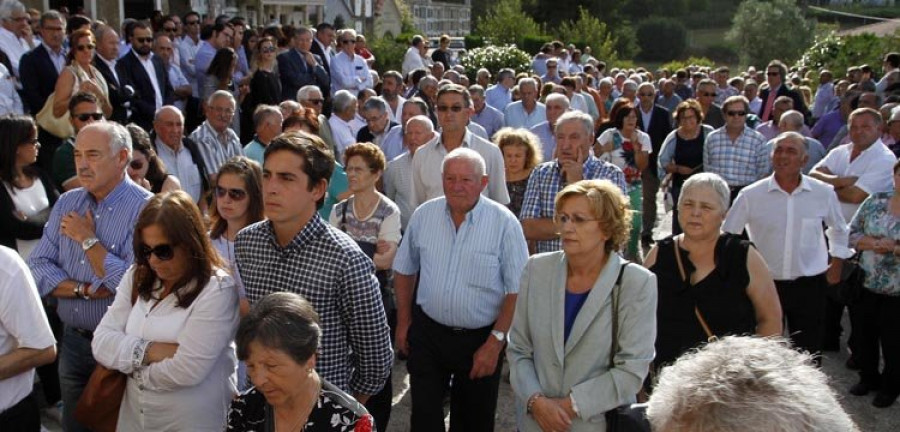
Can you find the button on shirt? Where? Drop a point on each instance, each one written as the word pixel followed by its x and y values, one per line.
pixel 787 227
pixel 515 115
pixel 428 184
pixel 874 168
pixel 349 73
pixel 181 164
pixel 546 181
pixel 216 149
pixel 490 118
pixel 326 267
pixel 740 162
pixel 58 258
pixel 466 273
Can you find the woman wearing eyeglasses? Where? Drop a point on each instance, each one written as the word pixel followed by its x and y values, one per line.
pixel 146 168
pixel 171 327
pixel 80 75
pixel 564 369
pixel 265 86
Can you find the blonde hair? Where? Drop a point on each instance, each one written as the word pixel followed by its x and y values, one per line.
pixel 608 205
pixel 511 137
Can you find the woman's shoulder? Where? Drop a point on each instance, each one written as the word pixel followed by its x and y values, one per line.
pixel 247 412
pixel 338 411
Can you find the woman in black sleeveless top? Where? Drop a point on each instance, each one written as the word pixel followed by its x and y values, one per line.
pixel 681 154
pixel 726 284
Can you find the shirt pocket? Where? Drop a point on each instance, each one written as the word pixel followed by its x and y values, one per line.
pixel 811 234
pixel 483 270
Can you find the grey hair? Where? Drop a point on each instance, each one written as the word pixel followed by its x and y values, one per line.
pixel 739 381
pixel 476 89
pixel 348 31
pixel 471 156
pixel 646 84
pixel 56 16
pixel 167 108
pixel 577 116
pixel 264 112
pixel 528 81
pixel 483 71
pixel 793 119
pixel 376 103
pixel 101 30
pixel 712 181
pixel 221 94
pixel 304 92
pixel 119 137
pixel 791 135
pixel 420 119
pixel 343 100
pixel 426 81
pixel 281 321
pixel 8 7
pixel 557 97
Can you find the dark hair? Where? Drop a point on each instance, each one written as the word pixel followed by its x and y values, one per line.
pixel 249 171
pixel 140 141
pixel 76 22
pixel 893 59
pixel 324 26
pixel 181 222
pixel 138 25
pixel 82 97
pixel 318 160
pixel 221 67
pixel 76 35
pixel 370 153
pixel 184 17
pixel 15 130
pixel 281 321
pixel 623 111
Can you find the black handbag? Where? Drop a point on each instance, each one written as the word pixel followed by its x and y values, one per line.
pixel 630 417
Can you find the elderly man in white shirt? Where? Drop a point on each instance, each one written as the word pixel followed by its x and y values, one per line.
pixel 415 55
pixel 348 70
pixel 783 215
pixel 343 128
pixel 13 20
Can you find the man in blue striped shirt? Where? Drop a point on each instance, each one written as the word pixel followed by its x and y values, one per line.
pixel 469 252
pixel 86 248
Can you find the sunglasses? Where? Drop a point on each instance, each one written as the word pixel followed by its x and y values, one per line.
pixel 646 94
pixel 736 113
pixel 170 29
pixel 316 101
pixel 87 116
pixel 191 22
pixel 144 39
pixel 454 108
pixel 163 252
pixel 234 194
pixel 708 94
pixel 136 165
pixel 348 41
pixel 268 49
pixel 87 47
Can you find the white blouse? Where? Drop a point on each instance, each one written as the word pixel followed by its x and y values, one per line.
pixel 192 390
pixel 31 201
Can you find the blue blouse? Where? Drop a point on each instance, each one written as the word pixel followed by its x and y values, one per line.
pixel 574 302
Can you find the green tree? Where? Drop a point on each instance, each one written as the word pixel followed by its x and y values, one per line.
pixel 555 12
pixel 505 23
pixel 766 30
pixel 661 38
pixel 839 53
pixel 589 30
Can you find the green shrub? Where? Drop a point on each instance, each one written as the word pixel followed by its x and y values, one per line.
pixel 532 44
pixel 721 53
pixel 474 41
pixel 681 64
pixel 388 52
pixel 494 58
pixel 661 39
pixel 590 31
pixel 838 53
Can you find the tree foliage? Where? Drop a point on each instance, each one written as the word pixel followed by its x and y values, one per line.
pixel 766 30
pixel 588 30
pixel 674 65
pixel 556 12
pixel 838 53
pixel 661 39
pixel 506 23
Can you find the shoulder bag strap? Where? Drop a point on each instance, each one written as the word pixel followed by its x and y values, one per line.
pixel 709 334
pixel 614 346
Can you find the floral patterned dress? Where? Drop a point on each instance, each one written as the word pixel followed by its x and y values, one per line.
pixel 874 219
pixel 251 413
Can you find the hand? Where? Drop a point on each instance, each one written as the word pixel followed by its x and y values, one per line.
pixel 884 245
pixel 684 170
pixel 159 351
pixel 145 183
pixel 607 148
pixel 76 227
pixel 19 215
pixel 89 86
pixel 573 170
pixel 550 416
pixel 484 362
pixel 402 331
pixel 99 292
pixel 310 59
pixel 382 247
pixel 833 275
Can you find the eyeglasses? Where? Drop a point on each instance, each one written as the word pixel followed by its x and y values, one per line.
pixel 646 94
pixel 562 219
pixel 454 108
pixel 191 22
pixel 170 29
pixel 773 73
pixel 268 49
pixel 88 47
pixel 708 94
pixel 220 110
pixel 551 66
pixel 234 194
pixel 31 142
pixel 348 41
pixel 316 101
pixel 736 113
pixel 163 252
pixel 89 116
pixel 136 165
pixel 144 39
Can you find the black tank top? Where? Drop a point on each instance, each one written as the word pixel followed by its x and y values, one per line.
pixel 688 153
pixel 721 297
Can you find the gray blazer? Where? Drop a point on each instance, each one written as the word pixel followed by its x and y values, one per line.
pixel 540 360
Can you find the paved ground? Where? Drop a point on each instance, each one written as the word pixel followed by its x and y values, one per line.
pixel 868 418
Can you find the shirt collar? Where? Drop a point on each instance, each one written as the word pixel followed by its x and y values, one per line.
pixel 61 53
pixel 116 194
pixel 312 231
pixel 438 139
pixel 473 214
pixel 772 185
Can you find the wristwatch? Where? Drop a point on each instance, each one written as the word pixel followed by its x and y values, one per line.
pixel 89 243
pixel 499 335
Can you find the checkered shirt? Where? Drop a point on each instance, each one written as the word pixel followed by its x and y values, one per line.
pixel 739 162
pixel 326 267
pixel 546 181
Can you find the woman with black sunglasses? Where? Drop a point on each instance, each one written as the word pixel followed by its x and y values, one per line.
pixel 80 75
pixel 265 86
pixel 171 327
pixel 146 168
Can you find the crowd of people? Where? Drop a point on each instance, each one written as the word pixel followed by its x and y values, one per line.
pixel 253 225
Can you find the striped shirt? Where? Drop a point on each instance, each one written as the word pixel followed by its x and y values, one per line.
pixel 398 185
pixel 58 258
pixel 740 162
pixel 326 267
pixel 546 181
pixel 466 273
pixel 213 150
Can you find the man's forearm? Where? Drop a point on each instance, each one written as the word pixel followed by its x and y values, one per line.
pixel 403 291
pixel 97 256
pixel 539 229
pixel 22 359
pixel 507 310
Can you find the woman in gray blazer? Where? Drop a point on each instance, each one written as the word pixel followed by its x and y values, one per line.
pixel 561 336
